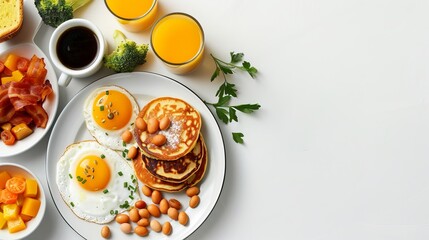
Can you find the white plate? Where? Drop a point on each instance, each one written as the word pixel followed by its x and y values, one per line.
pixel 70 127
pixel 50 105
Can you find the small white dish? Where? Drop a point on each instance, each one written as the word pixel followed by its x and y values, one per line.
pixel 50 105
pixel 14 170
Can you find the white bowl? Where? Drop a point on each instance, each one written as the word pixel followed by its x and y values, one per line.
pixel 15 169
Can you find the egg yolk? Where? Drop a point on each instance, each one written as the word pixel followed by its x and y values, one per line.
pixel 93 173
pixel 112 110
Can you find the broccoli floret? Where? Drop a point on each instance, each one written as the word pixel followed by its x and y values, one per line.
pixel 55 12
pixel 127 54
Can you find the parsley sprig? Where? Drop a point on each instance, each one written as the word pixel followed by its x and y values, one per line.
pixel 224 110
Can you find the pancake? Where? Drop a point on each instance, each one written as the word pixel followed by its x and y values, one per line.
pixel 181 135
pixel 178 170
pixel 157 184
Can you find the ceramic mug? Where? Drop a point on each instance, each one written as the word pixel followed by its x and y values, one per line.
pixel 77 48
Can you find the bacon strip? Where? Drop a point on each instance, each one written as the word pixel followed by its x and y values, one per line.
pixel 36 70
pixel 6 108
pixel 39 115
pixel 21 117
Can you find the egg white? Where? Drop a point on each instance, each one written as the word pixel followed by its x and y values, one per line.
pixel 109 138
pixel 96 206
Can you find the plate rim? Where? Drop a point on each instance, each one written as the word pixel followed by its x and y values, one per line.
pixel 139 72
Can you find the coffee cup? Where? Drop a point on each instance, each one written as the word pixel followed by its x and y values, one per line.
pixel 77 48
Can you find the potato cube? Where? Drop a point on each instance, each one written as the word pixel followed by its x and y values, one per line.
pixel 4 176
pixel 11 61
pixel 21 131
pixel 6 126
pixel 16 225
pixel 2 221
pixel 25 218
pixel 30 207
pixel 10 211
pixel 31 188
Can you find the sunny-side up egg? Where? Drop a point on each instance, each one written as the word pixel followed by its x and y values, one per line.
pixel 108 112
pixel 96 182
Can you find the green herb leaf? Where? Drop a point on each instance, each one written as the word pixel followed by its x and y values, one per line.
pixel 236 57
pixel 222 114
pixel 233 115
pixel 238 137
pixel 247 108
pixel 215 74
pixel 223 101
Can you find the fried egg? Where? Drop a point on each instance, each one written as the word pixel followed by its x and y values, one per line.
pixel 108 112
pixel 96 182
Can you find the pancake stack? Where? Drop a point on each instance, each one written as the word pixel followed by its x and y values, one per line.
pixel 180 160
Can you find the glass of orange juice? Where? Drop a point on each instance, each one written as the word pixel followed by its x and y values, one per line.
pixel 178 40
pixel 134 15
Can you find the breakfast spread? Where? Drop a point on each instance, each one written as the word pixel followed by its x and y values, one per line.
pixel 11 18
pixel 20 201
pixel 23 91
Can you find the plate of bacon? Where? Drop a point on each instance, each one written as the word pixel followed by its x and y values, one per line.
pixel 28 98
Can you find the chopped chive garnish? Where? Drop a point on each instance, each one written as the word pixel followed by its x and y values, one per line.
pixel 79 178
pixel 112 212
pixel 124 154
pixel 124 144
pixel 72 204
pixel 107 92
pixel 84 181
pixel 132 198
pixel 120 174
pixel 101 108
pixel 71 177
pixel 105 191
pixel 106 134
pixel 102 156
pixel 125 184
pixel 116 212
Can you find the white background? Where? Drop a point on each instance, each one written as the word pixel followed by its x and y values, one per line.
pixel 339 149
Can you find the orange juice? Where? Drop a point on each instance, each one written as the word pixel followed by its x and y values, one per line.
pixel 134 15
pixel 178 40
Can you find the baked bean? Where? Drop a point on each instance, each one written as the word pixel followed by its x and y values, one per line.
pixel 152 125
pixel 156 196
pixel 173 213
pixel 127 136
pixel 126 227
pixel 175 203
pixel 132 152
pixel 122 218
pixel 192 191
pixel 105 232
pixel 164 123
pixel 141 124
pixel 194 201
pixel 183 218
pixel 140 204
pixel 154 210
pixel 146 191
pixel 163 206
pixel 159 140
pixel 144 213
pixel 144 222
pixel 155 225
pixel 141 231
pixel 134 215
pixel 166 228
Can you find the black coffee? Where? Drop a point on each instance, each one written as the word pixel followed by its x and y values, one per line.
pixel 77 47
